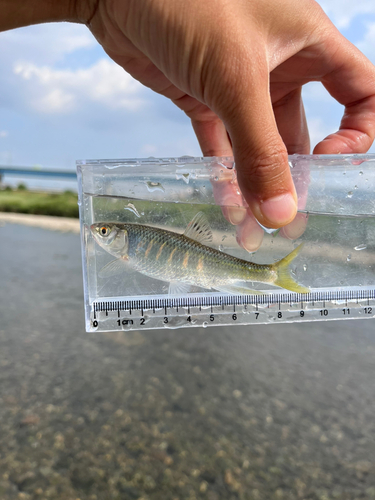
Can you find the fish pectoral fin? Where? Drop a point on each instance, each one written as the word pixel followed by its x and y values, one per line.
pixel 234 289
pixel 114 268
pixel 176 288
pixel 199 229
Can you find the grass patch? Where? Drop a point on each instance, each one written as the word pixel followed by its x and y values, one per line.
pixel 33 202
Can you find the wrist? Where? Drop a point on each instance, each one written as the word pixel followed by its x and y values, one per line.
pixel 18 13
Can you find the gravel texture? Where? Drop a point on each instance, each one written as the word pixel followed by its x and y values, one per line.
pixel 284 412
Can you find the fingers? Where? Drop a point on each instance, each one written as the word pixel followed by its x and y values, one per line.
pixel 352 83
pixel 291 122
pixel 214 141
pixel 249 233
pixel 261 157
pixel 212 136
pixel 292 125
pixel 356 132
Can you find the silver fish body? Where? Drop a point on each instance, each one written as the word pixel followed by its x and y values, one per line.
pixel 178 258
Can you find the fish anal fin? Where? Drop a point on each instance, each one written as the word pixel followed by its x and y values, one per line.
pixel 114 268
pixel 199 229
pixel 234 289
pixel 176 288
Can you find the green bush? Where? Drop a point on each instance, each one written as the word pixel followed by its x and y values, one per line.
pixel 30 202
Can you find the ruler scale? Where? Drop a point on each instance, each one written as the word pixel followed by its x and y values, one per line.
pixel 216 310
pixel 336 262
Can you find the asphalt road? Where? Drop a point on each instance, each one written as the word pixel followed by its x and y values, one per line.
pixel 267 412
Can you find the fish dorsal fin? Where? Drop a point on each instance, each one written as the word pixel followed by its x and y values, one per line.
pixel 113 268
pixel 199 229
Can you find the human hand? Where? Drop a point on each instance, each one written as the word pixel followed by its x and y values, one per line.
pixel 249 232
pixel 236 69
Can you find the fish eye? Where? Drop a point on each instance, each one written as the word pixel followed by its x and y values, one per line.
pixel 104 231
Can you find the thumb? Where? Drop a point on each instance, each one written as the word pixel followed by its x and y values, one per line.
pixel 261 157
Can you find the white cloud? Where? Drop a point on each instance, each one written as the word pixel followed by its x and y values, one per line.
pixel 149 150
pixel 46 42
pixel 342 12
pixel 49 90
pixel 183 143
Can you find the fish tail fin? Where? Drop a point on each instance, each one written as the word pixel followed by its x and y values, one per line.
pixel 284 278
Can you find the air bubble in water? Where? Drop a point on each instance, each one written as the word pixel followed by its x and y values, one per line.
pixel 154 186
pixel 305 267
pixel 350 194
pixel 360 247
pixel 216 178
pixel 205 324
pixel 268 230
pixel 349 258
pixel 132 208
pixel 221 248
pixel 361 173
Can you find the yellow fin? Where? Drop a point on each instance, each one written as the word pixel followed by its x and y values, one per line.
pixel 284 279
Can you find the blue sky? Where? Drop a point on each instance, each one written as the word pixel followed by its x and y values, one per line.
pixel 63 99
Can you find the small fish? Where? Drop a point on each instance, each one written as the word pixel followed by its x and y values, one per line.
pixel 185 260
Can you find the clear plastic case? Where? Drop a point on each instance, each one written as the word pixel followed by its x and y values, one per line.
pixel 336 212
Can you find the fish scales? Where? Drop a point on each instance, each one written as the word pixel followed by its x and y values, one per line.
pixel 170 256
pixel 182 260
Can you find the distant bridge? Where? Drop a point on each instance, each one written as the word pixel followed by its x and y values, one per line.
pixel 37 172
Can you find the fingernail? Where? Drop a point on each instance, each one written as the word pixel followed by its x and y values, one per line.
pixel 251 242
pixel 279 210
pixel 296 228
pixel 236 215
